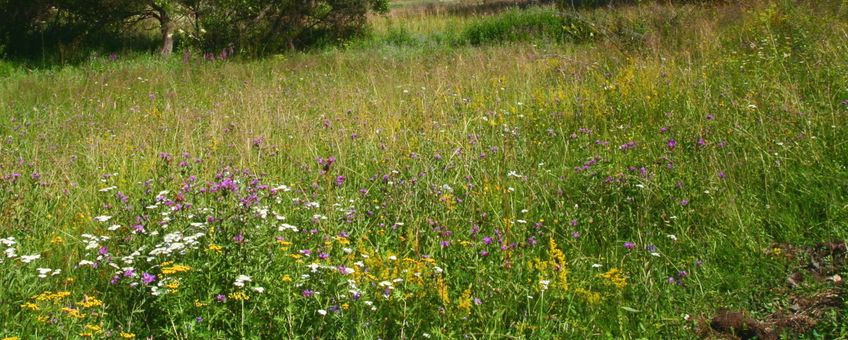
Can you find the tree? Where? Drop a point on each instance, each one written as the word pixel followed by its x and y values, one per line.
pixel 263 26
pixel 130 12
pixel 254 26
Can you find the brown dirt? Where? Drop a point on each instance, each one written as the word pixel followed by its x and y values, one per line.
pixel 822 263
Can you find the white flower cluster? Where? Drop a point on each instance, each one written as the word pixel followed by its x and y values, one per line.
pixel 11 251
pixel 176 243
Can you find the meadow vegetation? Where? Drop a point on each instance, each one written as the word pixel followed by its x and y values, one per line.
pixel 620 172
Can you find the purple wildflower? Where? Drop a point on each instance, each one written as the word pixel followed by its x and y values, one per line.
pixel 672 144
pixel 147 278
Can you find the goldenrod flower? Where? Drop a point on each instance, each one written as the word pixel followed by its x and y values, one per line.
pixel 615 278
pixel 464 303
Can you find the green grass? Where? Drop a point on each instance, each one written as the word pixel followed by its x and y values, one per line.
pixel 442 146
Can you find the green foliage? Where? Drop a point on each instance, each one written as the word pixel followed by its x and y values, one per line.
pixel 518 25
pixel 623 188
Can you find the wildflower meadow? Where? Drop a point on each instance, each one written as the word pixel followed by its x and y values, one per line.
pixel 657 170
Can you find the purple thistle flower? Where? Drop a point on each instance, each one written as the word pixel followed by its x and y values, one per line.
pixel 239 238
pixel 221 298
pixel 672 144
pixel 575 234
pixel 684 202
pixel 629 245
pixel 340 180
pixel 308 293
pixel 147 278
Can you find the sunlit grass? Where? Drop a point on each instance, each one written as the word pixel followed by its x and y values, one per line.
pixel 621 187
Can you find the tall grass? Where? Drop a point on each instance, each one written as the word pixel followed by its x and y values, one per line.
pixel 624 187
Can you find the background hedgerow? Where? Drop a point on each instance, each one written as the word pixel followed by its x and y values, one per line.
pixel 681 160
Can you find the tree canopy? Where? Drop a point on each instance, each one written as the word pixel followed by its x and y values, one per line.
pixel 28 27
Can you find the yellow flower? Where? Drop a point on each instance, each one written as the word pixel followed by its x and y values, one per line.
pixel 615 278
pixel 73 313
pixel 214 247
pixel 173 285
pixel 126 335
pixel 11 338
pixel 199 304
pixel 89 302
pixel 591 297
pixel 239 296
pixel 50 296
pixel 94 328
pixel 30 306
pixel 559 264
pixel 177 268
pixel 443 291
pixel 57 240
pixel 464 303
pixel 287 278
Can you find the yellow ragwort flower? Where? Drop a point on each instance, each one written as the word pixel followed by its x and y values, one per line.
pixel 177 268
pixel 239 296
pixel 73 313
pixel 89 302
pixel 30 306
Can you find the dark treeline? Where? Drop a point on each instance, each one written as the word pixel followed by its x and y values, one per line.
pixel 71 30
pixel 68 28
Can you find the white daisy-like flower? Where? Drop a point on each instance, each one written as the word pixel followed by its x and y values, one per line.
pixel 102 218
pixel 241 279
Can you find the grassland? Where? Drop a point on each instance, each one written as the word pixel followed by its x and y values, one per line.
pixel 629 177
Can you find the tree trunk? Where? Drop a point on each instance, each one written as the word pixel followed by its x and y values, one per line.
pixel 167 27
